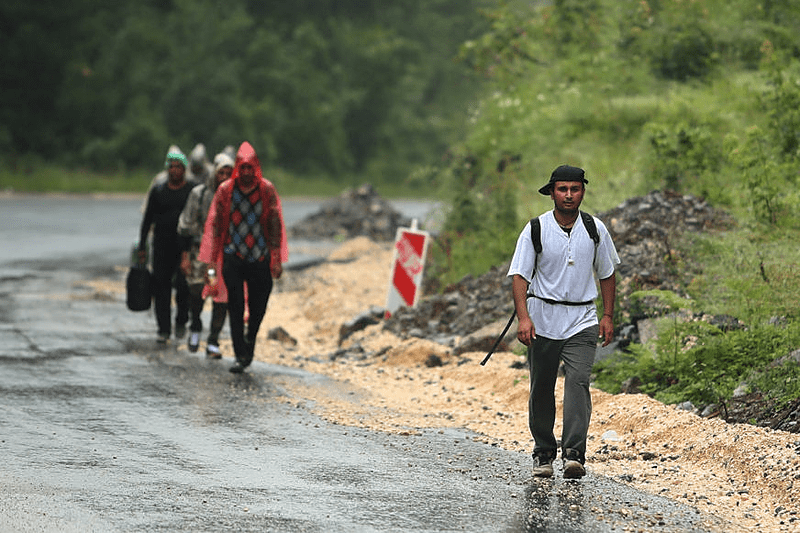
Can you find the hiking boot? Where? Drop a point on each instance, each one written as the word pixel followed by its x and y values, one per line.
pixel 542 466
pixel 237 368
pixel 212 352
pixel 573 467
pixel 194 341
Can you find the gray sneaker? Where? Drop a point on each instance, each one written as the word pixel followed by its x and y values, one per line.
pixel 573 468
pixel 542 466
pixel 194 341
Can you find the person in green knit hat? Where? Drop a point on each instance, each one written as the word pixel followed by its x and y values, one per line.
pixel 165 202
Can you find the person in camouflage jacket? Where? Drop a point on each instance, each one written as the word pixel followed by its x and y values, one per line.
pixel 190 227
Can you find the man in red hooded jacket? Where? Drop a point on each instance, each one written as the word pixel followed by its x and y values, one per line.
pixel 245 222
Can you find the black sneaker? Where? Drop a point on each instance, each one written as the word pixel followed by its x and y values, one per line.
pixel 573 467
pixel 542 466
pixel 180 331
pixel 162 338
pixel 237 368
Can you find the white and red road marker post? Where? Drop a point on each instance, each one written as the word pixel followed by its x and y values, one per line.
pixel 408 264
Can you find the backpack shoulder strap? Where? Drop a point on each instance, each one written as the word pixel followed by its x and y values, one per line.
pixel 591 227
pixel 536 239
pixel 204 191
pixel 536 235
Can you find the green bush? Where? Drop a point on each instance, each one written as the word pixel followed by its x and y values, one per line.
pixel 682 51
pixel 779 382
pixel 708 365
pixel 683 153
pixel 746 273
pixel 782 105
pixel 768 157
pixel 675 38
pixel 769 180
pixel 481 226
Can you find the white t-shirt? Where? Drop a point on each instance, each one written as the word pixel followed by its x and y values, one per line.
pixel 564 273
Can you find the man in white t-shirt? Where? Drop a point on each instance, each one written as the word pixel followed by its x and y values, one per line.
pixel 558 318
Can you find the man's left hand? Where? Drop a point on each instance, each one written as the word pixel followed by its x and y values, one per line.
pixel 606 330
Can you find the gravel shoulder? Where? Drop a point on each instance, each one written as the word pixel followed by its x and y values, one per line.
pixel 746 475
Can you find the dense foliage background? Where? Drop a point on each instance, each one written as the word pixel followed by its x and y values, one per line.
pixel 330 88
pixel 696 96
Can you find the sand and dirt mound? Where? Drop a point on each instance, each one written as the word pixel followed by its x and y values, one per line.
pixel 736 471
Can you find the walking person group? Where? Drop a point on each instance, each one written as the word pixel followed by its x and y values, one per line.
pixel 230 226
pixel 233 225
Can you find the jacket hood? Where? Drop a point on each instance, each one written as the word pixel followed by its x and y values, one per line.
pixel 198 154
pixel 220 160
pixel 246 154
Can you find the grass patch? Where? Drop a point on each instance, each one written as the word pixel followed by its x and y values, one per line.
pixel 749 273
pixel 46 178
pixel 43 178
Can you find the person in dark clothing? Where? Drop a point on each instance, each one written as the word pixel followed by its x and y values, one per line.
pixel 246 230
pixel 165 203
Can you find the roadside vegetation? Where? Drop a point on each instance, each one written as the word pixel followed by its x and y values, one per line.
pixel 699 97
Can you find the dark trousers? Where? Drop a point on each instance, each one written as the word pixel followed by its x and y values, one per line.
pixel 196 302
pixel 218 313
pixel 544 357
pixel 258 277
pixel 166 261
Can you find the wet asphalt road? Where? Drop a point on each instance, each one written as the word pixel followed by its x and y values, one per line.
pixel 101 430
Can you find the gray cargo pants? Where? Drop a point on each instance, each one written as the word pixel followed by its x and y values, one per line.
pixel 544 356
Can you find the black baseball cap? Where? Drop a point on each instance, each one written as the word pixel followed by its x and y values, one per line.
pixel 563 173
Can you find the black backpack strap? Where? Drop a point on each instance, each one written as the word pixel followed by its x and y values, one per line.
pixel 536 235
pixel 591 227
pixel 203 192
pixel 536 239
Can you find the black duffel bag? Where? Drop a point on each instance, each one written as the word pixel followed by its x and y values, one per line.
pixel 137 286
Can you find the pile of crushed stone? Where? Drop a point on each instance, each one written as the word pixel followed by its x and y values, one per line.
pixel 354 213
